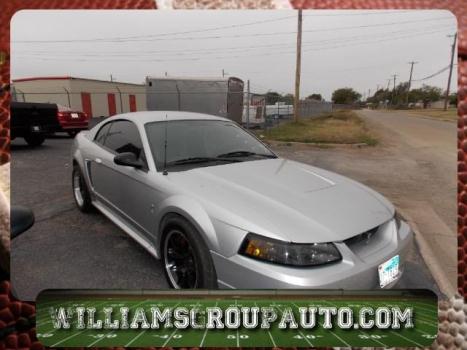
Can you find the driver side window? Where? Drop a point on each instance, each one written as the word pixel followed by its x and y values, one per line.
pixel 123 136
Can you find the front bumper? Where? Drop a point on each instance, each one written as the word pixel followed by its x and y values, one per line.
pixel 358 268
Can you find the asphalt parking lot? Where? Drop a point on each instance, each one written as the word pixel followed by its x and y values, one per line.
pixel 68 249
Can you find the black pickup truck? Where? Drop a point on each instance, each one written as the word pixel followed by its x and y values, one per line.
pixel 33 121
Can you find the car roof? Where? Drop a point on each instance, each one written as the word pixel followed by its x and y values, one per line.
pixel 156 116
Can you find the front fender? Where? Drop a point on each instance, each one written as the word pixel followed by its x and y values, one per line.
pixel 192 211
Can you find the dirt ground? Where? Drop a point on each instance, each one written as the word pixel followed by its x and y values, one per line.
pixel 414 166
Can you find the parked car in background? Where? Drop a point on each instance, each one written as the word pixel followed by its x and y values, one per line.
pixel 71 121
pixel 33 121
pixel 222 210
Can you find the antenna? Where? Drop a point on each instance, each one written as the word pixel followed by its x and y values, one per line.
pixel 164 172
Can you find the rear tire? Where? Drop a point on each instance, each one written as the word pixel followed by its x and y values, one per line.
pixel 186 259
pixel 80 191
pixel 34 140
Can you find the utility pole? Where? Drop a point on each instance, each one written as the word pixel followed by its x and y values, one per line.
pixel 223 73
pixel 446 98
pixel 393 89
pixel 248 104
pixel 111 78
pixel 410 81
pixel 389 82
pixel 298 66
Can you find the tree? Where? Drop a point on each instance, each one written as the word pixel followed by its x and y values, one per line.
pixel 316 97
pixel 288 99
pixel 381 97
pixel 345 96
pixel 426 94
pixel 399 94
pixel 272 97
pixel 453 99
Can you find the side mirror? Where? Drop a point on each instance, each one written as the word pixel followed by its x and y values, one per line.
pixel 21 218
pixel 128 159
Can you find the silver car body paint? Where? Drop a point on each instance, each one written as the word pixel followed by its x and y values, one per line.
pixel 276 198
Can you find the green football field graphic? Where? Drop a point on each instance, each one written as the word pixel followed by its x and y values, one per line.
pixel 423 334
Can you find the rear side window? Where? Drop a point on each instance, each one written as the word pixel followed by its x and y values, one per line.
pixel 124 137
pixel 102 133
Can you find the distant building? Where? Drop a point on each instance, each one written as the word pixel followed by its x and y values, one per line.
pixel 97 98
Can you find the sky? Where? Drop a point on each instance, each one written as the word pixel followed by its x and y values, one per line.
pixel 345 48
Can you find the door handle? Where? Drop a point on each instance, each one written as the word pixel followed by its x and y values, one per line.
pixel 98 160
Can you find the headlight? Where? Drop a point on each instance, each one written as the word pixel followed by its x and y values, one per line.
pixel 398 219
pixel 286 253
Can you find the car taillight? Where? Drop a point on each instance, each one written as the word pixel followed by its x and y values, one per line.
pixel 60 115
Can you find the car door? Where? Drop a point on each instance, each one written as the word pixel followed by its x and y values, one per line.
pixel 129 189
pixel 100 164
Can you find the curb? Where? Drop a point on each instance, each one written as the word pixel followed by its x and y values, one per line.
pixel 430 259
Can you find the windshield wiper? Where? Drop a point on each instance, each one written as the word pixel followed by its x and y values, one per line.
pixel 245 154
pixel 196 160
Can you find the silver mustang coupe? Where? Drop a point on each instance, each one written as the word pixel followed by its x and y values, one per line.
pixel 222 210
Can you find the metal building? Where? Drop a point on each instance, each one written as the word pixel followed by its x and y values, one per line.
pixel 217 96
pixel 97 98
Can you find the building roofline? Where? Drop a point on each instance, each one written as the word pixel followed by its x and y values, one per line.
pixel 71 78
pixel 225 79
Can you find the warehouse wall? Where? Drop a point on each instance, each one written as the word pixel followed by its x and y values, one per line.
pixel 54 92
pixel 99 91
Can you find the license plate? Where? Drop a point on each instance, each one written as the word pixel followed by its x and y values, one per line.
pixel 388 271
pixel 36 128
pixel 74 115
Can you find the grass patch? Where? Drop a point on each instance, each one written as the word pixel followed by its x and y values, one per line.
pixel 343 127
pixel 438 113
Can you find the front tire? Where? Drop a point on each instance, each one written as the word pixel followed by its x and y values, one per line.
pixel 80 191
pixel 186 259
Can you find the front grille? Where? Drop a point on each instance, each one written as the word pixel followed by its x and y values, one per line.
pixel 365 237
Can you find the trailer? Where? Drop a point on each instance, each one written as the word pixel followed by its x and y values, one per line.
pixel 279 110
pixel 217 96
pixel 254 113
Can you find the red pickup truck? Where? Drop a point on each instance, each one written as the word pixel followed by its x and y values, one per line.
pixel 71 121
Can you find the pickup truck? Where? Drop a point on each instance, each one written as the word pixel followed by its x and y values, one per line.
pixel 33 121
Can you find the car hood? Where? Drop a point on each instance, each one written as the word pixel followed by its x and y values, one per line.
pixel 285 200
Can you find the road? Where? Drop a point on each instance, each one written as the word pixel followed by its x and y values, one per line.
pixel 428 150
pixel 68 249
pixel 414 166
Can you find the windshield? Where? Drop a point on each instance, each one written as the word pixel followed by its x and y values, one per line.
pixel 193 143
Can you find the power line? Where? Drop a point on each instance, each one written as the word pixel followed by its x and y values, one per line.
pixel 161 34
pixel 156 37
pixel 434 74
pixel 139 59
pixel 182 52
